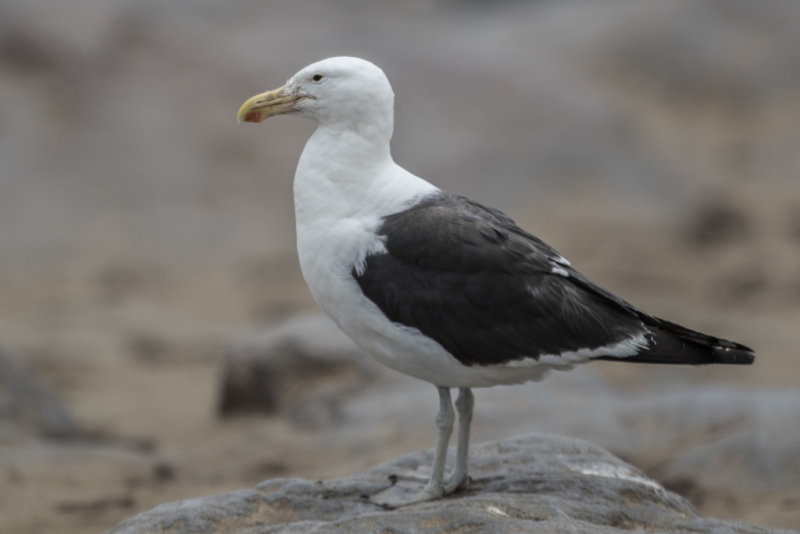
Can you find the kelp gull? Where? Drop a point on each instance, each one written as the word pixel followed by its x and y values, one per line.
pixel 435 285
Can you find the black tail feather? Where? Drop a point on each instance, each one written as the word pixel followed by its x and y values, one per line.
pixel 670 342
pixel 675 344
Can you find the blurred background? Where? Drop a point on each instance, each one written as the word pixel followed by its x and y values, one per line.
pixel 143 232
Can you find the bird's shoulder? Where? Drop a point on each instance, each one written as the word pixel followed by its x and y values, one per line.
pixel 445 231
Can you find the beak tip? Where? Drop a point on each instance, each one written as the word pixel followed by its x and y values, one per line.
pixel 265 105
pixel 247 114
pixel 250 116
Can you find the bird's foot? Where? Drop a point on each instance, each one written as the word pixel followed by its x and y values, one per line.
pixel 394 497
pixel 404 493
pixel 457 480
pixel 400 495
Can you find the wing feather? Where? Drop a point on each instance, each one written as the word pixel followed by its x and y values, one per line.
pixel 470 278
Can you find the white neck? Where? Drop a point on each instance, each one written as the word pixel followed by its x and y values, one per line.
pixel 346 182
pixel 346 172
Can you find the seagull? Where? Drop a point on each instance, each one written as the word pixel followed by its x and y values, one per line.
pixel 435 285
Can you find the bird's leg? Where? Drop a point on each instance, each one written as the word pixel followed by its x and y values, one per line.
pixel 444 426
pixel 459 478
pixel 398 494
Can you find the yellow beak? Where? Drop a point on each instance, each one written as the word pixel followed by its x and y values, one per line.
pixel 265 105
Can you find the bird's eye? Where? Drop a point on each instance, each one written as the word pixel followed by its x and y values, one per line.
pixel 317 77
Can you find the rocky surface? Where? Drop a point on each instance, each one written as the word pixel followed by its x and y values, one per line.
pixel 533 483
pixel 27 407
pixel 262 371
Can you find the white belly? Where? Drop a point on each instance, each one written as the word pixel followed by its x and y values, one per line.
pixel 327 259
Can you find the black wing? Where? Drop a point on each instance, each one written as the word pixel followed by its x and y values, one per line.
pixel 489 292
pixel 468 277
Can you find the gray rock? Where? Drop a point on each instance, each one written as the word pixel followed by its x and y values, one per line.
pixel 27 407
pixel 262 372
pixel 536 482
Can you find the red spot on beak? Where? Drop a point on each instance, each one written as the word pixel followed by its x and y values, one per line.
pixel 253 116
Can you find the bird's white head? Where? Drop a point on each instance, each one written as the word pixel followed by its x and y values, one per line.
pixel 337 90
